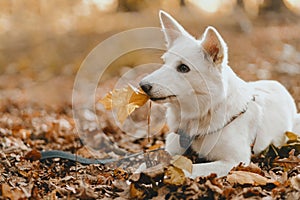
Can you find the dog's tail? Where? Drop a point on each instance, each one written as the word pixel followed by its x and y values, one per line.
pixel 296 128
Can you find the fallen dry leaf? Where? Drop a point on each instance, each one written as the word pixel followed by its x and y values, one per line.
pixel 124 101
pixel 295 182
pixel 244 177
pixel 175 176
pixel 288 163
pixel 250 168
pixel 12 193
pixel 33 155
pixel 292 136
pixel 86 192
pixel 182 162
pixel 136 192
pixel 293 141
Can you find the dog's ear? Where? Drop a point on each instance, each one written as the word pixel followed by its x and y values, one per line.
pixel 171 28
pixel 214 46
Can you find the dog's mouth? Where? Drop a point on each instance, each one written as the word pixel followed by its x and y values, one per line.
pixel 162 98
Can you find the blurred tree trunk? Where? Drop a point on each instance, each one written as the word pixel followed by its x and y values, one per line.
pixel 130 5
pixel 240 3
pixel 273 5
pixel 254 7
pixel 182 2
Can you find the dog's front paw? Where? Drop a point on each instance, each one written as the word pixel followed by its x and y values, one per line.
pixel 188 174
pixel 173 145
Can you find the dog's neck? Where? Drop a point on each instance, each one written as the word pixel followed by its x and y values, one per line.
pixel 214 118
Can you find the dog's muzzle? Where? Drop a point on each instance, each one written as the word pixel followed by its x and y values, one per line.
pixel 147 88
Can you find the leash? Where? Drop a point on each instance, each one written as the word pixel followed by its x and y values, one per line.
pixel 45 155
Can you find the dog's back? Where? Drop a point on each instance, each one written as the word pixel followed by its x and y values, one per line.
pixel 278 115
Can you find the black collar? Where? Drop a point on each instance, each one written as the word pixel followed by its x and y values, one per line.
pixel 185 140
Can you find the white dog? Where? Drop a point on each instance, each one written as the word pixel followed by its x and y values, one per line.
pixel 211 109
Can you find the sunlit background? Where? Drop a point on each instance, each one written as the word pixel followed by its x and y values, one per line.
pixel 42 40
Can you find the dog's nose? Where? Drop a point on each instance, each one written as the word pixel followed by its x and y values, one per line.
pixel 146 87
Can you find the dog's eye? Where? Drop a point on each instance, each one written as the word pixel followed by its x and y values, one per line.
pixel 183 68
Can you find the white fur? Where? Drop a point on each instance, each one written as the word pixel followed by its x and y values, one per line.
pixel 210 95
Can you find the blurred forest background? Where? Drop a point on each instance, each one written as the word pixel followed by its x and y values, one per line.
pixel 43 43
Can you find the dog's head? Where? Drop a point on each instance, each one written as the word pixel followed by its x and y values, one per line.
pixel 192 68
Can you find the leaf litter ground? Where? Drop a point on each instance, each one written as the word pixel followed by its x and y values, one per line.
pixel 28 128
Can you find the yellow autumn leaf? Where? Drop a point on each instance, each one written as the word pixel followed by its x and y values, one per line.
pixel 139 98
pixel 124 101
pixel 182 162
pixel 174 176
pixel 107 101
pixel 293 137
